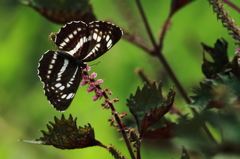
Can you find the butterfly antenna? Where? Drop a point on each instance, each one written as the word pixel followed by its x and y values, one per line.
pixel 96 63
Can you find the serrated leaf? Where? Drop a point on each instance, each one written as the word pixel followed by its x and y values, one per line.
pixel 64 134
pixel 63 11
pixel 219 92
pixel 116 154
pixel 148 105
pixel 219 57
pixel 184 154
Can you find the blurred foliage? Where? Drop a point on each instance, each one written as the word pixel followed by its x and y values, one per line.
pixel 225 124
pixel 220 92
pixel 61 12
pixel 24 109
pixel 184 154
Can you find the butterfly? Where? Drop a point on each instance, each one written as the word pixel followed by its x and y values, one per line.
pixel 77 42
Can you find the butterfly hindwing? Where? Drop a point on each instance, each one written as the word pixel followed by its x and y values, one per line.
pixel 61 77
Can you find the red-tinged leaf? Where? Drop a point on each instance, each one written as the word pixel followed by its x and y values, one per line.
pixel 178 4
pixel 148 105
pixel 164 131
pixel 64 134
pixel 219 58
pixel 63 11
pixel 222 91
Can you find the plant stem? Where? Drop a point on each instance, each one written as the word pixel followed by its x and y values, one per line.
pixel 173 77
pixel 160 56
pixel 146 23
pixel 143 47
pixel 231 5
pixel 121 127
pixel 138 152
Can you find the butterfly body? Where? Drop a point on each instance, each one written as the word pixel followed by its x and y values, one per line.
pixel 61 71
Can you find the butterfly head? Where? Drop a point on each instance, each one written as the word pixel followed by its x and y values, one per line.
pixel 81 63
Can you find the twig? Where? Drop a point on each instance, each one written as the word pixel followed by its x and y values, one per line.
pixel 231 5
pixel 138 152
pixel 121 127
pixel 137 44
pixel 146 23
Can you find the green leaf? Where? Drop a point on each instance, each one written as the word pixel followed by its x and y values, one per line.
pixel 148 105
pixel 184 154
pixel 64 134
pixel 219 92
pixel 203 97
pixel 63 11
pixel 219 57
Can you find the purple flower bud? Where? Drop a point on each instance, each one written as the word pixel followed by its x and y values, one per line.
pixel 85 77
pixel 83 83
pixel 93 75
pixel 88 68
pixel 237 50
pixel 94 98
pixel 91 84
pixel 90 89
pixel 99 81
pixel 99 93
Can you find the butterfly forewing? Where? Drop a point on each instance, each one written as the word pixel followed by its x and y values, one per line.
pixel 61 71
pixel 103 36
pixel 61 77
pixel 72 37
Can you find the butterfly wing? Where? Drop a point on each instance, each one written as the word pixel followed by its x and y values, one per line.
pixel 61 77
pixel 72 37
pixel 87 42
pixel 102 36
pixel 60 71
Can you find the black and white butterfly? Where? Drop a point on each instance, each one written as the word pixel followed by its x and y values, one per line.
pixel 78 42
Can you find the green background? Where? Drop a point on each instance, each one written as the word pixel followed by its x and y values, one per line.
pixel 24 38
